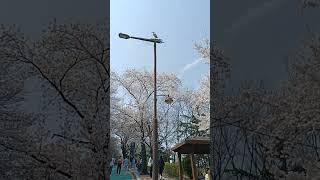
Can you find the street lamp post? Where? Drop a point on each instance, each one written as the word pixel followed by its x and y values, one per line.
pixel 155 165
pixel 155 170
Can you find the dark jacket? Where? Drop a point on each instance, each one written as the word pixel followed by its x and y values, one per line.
pixel 161 164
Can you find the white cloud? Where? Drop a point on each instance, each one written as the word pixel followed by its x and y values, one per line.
pixel 254 14
pixel 189 66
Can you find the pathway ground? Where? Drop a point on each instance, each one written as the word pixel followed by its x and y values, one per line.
pixel 124 175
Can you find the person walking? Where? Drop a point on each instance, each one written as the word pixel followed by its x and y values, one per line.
pixel 207 176
pixel 133 162
pixel 138 164
pixel 119 164
pixel 130 162
pixel 150 166
pixel 161 166
pixel 111 165
pixel 126 164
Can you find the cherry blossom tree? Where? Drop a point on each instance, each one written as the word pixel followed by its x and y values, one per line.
pixel 137 89
pixel 259 133
pixel 219 73
pixel 71 61
pixel 15 139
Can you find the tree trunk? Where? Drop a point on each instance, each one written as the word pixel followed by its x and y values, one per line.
pixel 124 150
pixel 144 169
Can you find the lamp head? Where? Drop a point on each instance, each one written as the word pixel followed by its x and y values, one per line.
pixel 168 100
pixel 124 36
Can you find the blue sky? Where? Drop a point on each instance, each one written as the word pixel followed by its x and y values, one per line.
pixel 179 23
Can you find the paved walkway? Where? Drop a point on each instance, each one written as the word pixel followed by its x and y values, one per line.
pixel 145 177
pixel 124 175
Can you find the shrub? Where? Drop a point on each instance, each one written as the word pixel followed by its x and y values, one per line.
pixel 171 169
pixel 186 165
